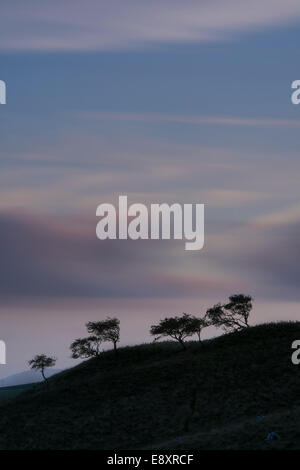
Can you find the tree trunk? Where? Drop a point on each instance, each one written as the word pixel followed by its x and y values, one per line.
pixel 45 378
pixel 115 348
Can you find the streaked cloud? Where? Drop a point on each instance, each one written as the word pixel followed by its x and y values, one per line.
pixel 71 25
pixel 234 197
pixel 60 257
pixel 286 216
pixel 237 121
pixel 265 250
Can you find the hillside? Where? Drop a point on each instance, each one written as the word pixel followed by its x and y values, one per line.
pixel 229 393
pixel 26 377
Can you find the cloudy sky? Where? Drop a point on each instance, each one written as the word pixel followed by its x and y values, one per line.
pixel 165 101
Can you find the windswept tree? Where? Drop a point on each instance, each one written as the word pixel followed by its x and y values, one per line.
pixel 86 347
pixel 232 316
pixel 178 328
pixel 41 362
pixel 107 330
pixel 197 324
pixel 215 315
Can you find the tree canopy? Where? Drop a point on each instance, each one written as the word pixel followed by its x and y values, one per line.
pixel 41 362
pixel 86 347
pixel 178 328
pixel 106 330
pixel 232 316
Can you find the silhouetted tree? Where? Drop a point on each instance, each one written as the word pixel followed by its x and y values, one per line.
pixel 40 362
pixel 86 347
pixel 177 328
pixel 196 326
pixel 215 315
pixel 106 330
pixel 232 316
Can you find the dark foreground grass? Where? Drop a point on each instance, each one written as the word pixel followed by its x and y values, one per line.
pixel 229 393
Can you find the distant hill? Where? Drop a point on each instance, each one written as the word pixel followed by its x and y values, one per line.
pixel 7 393
pixel 230 393
pixel 26 377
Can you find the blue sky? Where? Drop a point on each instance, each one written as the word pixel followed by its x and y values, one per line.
pixel 173 102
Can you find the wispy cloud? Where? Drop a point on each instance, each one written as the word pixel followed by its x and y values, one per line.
pixel 60 257
pixel 287 216
pixel 234 121
pixel 116 24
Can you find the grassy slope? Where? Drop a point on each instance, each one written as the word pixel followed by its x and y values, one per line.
pixel 155 396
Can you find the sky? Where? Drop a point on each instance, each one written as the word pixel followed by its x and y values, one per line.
pixel 164 101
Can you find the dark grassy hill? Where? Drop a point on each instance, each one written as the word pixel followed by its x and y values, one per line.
pixel 156 396
pixel 6 393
